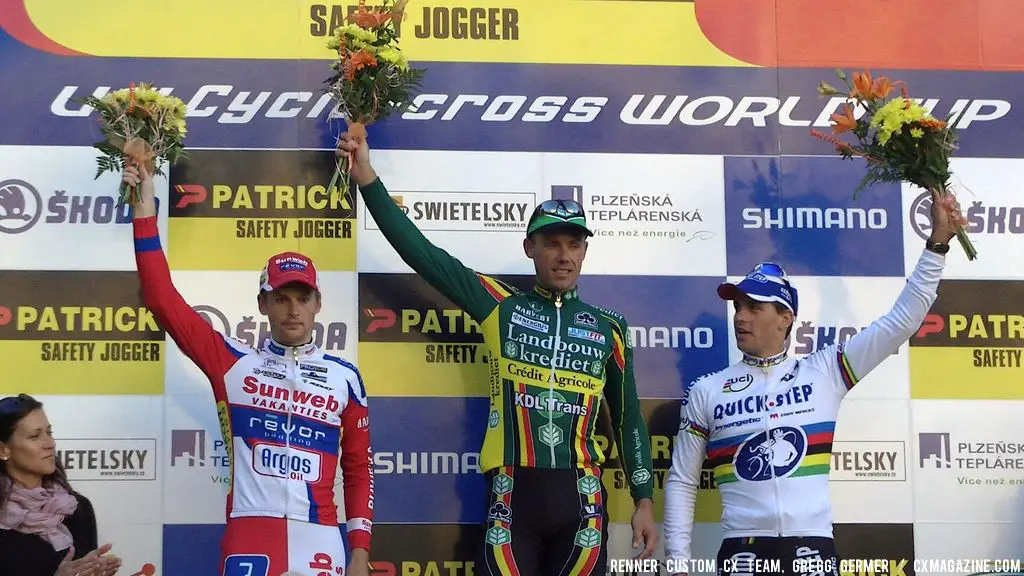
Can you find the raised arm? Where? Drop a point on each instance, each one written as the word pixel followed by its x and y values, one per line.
pixel 688 455
pixel 856 358
pixel 850 363
pixel 475 293
pixel 210 351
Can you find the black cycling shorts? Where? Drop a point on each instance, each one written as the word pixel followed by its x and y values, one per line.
pixel 545 522
pixel 789 556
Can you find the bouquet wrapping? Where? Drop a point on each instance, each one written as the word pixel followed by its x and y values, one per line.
pixel 141 127
pixel 898 138
pixel 372 77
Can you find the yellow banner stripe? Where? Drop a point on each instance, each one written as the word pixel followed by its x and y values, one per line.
pixel 526 31
pixel 79 370
pixel 399 369
pixel 192 241
pixel 938 373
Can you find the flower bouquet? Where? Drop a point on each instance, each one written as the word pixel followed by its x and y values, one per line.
pixel 140 126
pixel 372 77
pixel 897 138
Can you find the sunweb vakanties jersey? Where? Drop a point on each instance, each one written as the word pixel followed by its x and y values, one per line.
pixel 284 411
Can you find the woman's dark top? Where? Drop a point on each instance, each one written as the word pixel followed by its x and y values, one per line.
pixel 29 555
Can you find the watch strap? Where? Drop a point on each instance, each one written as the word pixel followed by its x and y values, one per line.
pixel 937 247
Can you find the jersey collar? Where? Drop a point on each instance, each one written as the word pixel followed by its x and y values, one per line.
pixel 546 294
pixel 289 352
pixel 764 362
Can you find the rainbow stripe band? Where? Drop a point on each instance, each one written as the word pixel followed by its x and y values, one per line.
pixel 815 460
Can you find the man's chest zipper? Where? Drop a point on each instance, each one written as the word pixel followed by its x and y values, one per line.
pixel 288 428
pixel 771 466
pixel 551 378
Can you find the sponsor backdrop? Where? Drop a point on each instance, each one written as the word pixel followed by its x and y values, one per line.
pixel 691 154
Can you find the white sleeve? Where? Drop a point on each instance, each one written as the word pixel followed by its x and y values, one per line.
pixel 688 454
pixel 863 352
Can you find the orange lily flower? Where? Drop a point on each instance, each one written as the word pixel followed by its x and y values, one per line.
pixel 358 61
pixel 844 120
pixel 861 85
pixel 881 87
pixel 368 18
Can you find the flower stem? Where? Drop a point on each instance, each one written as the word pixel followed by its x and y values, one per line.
pixel 965 243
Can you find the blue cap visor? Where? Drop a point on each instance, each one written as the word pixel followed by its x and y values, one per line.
pixel 761 291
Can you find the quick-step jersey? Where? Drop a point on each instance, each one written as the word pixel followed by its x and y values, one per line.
pixel 551 358
pixel 766 430
pixel 284 411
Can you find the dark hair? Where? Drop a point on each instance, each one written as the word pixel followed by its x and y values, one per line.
pixel 781 308
pixel 13 410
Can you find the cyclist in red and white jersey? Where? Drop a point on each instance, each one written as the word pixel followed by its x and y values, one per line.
pixel 286 411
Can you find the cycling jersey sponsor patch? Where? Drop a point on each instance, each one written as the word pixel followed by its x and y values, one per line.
pixel 273 363
pixel 591 335
pixel 313 368
pixel 585 319
pixel 314 376
pixel 534 311
pixel 530 323
pixel 591 511
pixel 499 512
pixel 738 384
pixel 281 462
pixel 268 373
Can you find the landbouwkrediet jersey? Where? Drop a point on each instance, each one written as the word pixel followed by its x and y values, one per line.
pixel 551 358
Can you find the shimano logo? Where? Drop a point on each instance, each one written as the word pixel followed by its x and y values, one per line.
pixel 812 217
pixel 672 337
pixel 426 463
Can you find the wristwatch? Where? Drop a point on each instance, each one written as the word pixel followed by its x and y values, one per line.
pixel 937 247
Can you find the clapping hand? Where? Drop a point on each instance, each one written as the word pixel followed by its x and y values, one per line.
pixel 92 564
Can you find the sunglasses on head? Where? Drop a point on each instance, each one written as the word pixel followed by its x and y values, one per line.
pixel 772 269
pixel 560 208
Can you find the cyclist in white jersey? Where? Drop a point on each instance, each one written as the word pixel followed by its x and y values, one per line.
pixel 765 423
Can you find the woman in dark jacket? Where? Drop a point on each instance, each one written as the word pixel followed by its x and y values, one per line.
pixel 46 528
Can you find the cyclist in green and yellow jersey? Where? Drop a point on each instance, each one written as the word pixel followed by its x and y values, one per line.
pixel 552 358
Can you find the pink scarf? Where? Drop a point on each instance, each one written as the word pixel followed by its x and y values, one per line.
pixel 39 511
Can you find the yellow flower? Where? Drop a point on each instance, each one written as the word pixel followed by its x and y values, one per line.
pixel 356 33
pixel 916 132
pixel 894 115
pixel 394 57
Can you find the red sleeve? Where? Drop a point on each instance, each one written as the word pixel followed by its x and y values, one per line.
pixel 198 340
pixel 357 466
